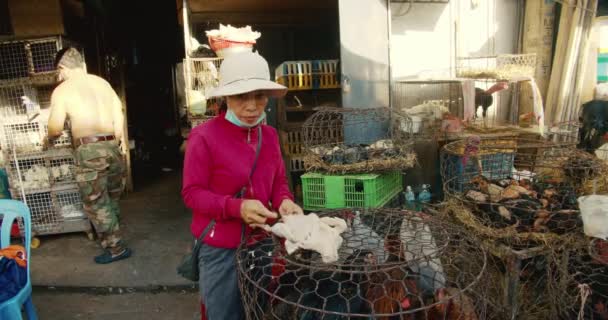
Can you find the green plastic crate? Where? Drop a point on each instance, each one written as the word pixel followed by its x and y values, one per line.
pixel 322 191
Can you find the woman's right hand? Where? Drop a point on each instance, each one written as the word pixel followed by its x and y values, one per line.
pixel 254 212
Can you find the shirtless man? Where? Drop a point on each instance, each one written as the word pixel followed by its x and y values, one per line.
pixel 95 114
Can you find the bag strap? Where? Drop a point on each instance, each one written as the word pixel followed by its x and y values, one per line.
pixel 257 152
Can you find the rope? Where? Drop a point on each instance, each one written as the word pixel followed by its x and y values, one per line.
pixel 584 292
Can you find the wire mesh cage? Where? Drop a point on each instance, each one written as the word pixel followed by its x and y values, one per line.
pixel 52 211
pixel 392 265
pixel 12 106
pixel 23 138
pixel 517 188
pixel 565 133
pixel 14 60
pixel 427 103
pixel 201 75
pixel 68 204
pixel 31 59
pixel 42 170
pixel 348 140
pixel 44 219
pixel 589 269
pixel 503 67
pixel 31 173
pixel 537 283
pixel 62 141
pixel 61 169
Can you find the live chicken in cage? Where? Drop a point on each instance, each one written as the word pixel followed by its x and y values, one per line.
pixel 391 264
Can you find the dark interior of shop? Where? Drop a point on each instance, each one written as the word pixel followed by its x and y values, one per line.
pixel 148 39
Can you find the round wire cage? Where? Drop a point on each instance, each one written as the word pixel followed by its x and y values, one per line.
pixel 392 264
pixel 589 269
pixel 350 140
pixel 507 187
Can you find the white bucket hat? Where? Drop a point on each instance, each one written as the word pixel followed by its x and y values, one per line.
pixel 245 72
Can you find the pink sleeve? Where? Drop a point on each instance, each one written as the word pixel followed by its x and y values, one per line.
pixel 195 189
pixel 280 186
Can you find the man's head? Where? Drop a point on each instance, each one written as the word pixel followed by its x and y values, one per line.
pixel 69 60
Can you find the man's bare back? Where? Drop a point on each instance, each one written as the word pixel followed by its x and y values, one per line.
pixel 91 105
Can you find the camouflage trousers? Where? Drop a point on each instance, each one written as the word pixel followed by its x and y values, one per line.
pixel 99 174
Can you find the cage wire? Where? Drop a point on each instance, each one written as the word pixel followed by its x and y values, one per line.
pixel 349 140
pixel 392 264
pixel 68 204
pixel 519 198
pixel 426 102
pixel 501 67
pixel 31 59
pixel 14 60
pixel 519 184
pixel 44 219
pixel 565 133
pixel 23 138
pixel 12 108
pixel 201 76
pixel 33 170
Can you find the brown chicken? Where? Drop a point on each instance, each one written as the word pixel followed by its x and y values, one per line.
pixel 390 290
pixel 458 307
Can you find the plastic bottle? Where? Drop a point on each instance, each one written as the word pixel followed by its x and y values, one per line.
pixel 424 196
pixel 410 198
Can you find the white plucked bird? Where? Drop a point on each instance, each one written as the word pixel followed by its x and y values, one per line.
pixel 310 232
pixel 594 212
pixel 422 253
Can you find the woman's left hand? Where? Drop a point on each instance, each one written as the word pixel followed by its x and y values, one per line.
pixel 289 207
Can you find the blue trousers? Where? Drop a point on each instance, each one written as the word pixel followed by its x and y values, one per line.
pixel 218 283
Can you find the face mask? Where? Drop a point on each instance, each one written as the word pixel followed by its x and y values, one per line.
pixel 230 116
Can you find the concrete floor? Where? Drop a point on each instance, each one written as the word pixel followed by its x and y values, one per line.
pixel 128 306
pixel 155 225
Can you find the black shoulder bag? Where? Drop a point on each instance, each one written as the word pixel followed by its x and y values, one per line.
pixel 188 268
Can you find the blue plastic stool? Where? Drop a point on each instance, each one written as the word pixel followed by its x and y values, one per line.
pixel 11 210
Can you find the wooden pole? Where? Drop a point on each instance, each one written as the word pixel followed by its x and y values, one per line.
pixel 122 93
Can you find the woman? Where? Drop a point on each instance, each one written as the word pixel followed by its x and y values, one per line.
pixel 226 196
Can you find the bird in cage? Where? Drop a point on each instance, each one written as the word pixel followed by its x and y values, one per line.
pixel 578 169
pixel 484 99
pixel 457 307
pixel 393 289
pixel 360 235
pixel 421 252
pixel 331 291
pixel 311 233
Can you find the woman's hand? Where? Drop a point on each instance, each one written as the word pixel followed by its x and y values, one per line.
pixel 289 207
pixel 254 212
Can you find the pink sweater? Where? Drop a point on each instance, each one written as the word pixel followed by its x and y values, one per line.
pixel 219 157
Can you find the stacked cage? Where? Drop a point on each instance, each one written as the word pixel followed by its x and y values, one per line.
pixel 434 106
pixel 39 175
pixel 355 157
pixel 501 84
pixel 392 264
pixel 201 76
pixel 519 197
